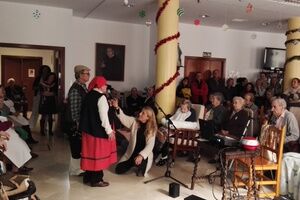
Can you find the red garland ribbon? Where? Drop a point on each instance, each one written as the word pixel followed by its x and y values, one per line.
pixel 160 88
pixel 161 9
pixel 161 42
pixel 165 40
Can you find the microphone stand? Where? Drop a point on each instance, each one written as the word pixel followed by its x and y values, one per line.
pixel 168 171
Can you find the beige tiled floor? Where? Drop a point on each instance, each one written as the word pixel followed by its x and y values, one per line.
pixel 53 182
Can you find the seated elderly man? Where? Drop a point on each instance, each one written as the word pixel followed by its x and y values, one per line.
pixel 281 117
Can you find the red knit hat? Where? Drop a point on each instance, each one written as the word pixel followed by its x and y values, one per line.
pixel 97 82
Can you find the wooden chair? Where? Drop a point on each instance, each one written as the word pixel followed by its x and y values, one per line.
pixel 269 159
pixel 186 139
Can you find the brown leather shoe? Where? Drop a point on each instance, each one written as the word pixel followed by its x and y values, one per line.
pixel 100 184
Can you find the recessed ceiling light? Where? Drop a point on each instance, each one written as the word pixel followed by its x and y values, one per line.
pixel 204 16
pixel 239 20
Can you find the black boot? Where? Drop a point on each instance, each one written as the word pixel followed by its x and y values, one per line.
pixel 50 123
pixel 42 126
pixel 30 138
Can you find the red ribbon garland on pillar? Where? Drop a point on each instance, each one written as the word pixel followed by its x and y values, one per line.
pixel 161 42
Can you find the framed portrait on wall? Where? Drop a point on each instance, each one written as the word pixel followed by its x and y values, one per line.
pixel 110 59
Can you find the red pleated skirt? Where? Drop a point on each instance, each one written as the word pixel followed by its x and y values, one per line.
pixel 97 153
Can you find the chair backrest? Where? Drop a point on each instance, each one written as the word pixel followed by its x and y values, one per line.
pixel 199 109
pixel 250 125
pixel 271 143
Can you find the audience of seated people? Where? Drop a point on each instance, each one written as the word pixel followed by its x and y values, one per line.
pixel 15 158
pixel 215 83
pixel 183 90
pixel 134 102
pixel 199 89
pixel 15 93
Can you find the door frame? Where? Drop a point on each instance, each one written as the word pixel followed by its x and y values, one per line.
pixel 59 70
pixel 9 56
pixel 223 60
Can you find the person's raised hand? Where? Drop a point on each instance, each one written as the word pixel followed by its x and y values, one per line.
pixel 4 135
pixel 115 103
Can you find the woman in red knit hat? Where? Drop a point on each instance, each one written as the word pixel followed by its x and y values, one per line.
pixel 98 138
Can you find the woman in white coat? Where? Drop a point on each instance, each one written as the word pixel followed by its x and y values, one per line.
pixel 139 151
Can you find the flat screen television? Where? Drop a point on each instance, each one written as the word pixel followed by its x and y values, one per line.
pixel 274 58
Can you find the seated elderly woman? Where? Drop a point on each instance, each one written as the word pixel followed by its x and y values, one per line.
pixel 282 117
pixel 184 117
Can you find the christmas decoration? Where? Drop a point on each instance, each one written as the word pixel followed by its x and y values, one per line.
pixel 292 31
pixel 165 40
pixel 180 12
pixel 160 88
pixel 160 10
pixel 293 41
pixel 197 22
pixel 292 59
pixel 161 42
pixel 142 14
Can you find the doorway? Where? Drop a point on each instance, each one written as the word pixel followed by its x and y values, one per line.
pixel 205 65
pixel 58 68
pixel 23 70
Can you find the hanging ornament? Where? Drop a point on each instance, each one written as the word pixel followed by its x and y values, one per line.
pixel 148 23
pixel 249 8
pixel 225 27
pixel 142 13
pixel 180 12
pixel 36 14
pixel 197 22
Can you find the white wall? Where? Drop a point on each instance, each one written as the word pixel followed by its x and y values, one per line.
pixel 88 32
pixel 243 54
pixel 57 27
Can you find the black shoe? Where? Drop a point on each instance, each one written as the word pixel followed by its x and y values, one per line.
pixel 139 172
pixel 162 162
pixel 212 161
pixel 34 155
pixel 32 141
pixel 25 170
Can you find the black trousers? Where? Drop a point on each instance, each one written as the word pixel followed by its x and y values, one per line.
pixel 93 176
pixel 125 166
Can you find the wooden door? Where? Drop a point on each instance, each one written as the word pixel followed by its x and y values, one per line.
pixel 23 70
pixel 206 66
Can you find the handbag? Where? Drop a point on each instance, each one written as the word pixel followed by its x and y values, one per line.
pixel 3 194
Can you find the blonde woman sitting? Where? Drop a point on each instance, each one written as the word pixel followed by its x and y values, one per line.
pixel 143 131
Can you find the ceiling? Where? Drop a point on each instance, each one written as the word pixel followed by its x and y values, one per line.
pixel 266 15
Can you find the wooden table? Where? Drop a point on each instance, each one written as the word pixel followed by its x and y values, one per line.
pixel 234 154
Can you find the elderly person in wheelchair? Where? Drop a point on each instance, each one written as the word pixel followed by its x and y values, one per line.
pixel 183 118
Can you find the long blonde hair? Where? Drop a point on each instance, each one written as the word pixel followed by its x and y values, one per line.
pixel 151 125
